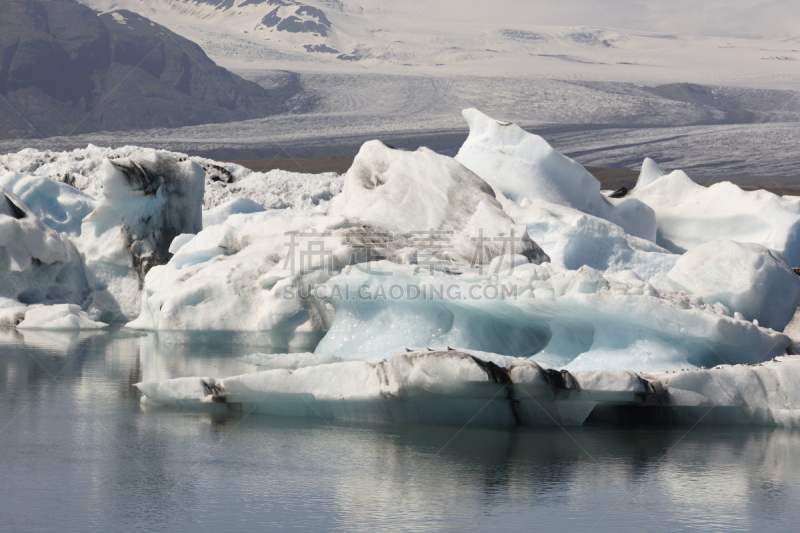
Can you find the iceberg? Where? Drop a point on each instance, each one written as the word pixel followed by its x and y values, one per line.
pixel 521 166
pixel 508 255
pixel 146 204
pixel 57 317
pixel 414 208
pixel 689 214
pixel 456 387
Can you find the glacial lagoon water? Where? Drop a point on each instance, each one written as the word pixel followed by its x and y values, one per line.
pixel 79 453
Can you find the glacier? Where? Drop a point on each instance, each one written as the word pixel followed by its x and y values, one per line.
pixel 418 287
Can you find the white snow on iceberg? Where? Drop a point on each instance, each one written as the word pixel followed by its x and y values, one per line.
pixel 60 206
pixel 689 214
pixel 522 165
pixel 573 239
pixel 237 206
pixel 423 192
pixel 37 265
pixel 24 239
pixel 82 169
pixel 230 279
pixel 747 278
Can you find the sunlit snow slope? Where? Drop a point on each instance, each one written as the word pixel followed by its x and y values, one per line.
pixel 417 36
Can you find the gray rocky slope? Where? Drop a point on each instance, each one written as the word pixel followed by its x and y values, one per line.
pixel 66 69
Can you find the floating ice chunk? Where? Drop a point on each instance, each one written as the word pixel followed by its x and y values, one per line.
pixel 423 191
pixel 689 214
pixel 219 214
pixel 12 312
pixel 57 317
pixel 451 387
pixel 521 165
pixel 430 387
pixel 573 239
pixel 50 317
pixel 146 204
pixel 745 277
pixel 60 206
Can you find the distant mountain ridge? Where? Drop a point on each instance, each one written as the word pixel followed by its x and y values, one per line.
pixel 510 38
pixel 66 69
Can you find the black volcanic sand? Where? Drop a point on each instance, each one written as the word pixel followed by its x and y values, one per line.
pixel 609 178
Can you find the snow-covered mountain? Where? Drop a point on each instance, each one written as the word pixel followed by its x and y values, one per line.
pixel 419 37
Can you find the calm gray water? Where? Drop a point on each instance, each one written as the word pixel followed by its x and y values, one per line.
pixel 78 453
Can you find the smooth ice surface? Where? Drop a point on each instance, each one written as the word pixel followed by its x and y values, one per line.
pixel 745 277
pixel 571 319
pixel 522 165
pixel 689 214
